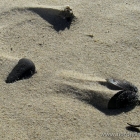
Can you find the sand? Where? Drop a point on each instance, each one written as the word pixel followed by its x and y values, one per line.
pixel 102 42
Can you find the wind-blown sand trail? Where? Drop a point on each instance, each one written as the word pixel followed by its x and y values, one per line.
pixel 64 100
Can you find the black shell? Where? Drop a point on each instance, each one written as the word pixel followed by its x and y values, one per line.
pixel 127 96
pixel 122 85
pixel 133 125
pixel 123 99
pixel 24 69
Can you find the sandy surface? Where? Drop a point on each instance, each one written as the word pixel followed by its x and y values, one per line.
pixel 52 104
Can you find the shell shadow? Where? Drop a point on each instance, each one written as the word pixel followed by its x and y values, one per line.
pixel 93 98
pixel 133 129
pixel 52 16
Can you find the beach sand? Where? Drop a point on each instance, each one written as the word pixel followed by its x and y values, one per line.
pixel 103 41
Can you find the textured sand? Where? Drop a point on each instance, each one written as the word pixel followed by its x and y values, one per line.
pixel 53 104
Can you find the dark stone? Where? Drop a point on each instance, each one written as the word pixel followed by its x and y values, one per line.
pixel 23 70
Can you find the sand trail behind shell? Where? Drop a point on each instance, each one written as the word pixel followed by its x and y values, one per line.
pixel 85 87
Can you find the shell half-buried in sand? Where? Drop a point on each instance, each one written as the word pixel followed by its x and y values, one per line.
pixel 24 69
pixel 67 13
pixel 127 96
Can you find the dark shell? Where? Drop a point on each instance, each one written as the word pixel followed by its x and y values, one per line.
pixel 121 85
pixel 24 69
pixel 123 99
pixel 133 125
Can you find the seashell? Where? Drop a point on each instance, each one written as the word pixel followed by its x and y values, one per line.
pixel 67 13
pixel 133 125
pixel 121 85
pixel 127 96
pixel 123 99
pixel 24 69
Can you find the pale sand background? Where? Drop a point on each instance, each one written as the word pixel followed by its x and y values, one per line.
pixel 48 106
